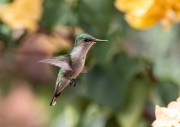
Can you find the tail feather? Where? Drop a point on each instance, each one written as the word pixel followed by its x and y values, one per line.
pixel 54 99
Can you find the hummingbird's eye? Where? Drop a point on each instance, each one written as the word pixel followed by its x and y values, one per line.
pixel 87 40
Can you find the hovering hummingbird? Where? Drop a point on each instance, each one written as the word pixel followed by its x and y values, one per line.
pixel 71 64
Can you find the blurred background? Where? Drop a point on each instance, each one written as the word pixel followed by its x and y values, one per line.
pixel 138 68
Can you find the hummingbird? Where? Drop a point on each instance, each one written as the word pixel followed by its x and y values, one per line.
pixel 72 64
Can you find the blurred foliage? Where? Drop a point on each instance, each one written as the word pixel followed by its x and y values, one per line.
pixel 128 75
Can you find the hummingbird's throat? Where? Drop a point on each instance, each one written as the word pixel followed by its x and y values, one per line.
pixel 81 51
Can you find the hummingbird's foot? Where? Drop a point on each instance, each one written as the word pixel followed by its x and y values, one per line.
pixel 73 82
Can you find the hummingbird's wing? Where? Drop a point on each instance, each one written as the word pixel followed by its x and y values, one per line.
pixel 59 61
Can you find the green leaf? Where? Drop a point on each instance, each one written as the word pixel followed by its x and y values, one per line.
pixel 5 1
pixel 95 16
pixel 164 89
pixel 109 85
pixel 95 116
pixel 59 12
pixel 69 117
pixel 130 116
pixel 5 34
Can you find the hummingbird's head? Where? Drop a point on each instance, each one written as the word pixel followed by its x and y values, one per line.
pixel 86 40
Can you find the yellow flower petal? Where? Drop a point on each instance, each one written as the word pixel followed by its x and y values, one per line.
pixel 140 22
pixel 150 18
pixel 137 7
pixel 142 14
pixel 22 14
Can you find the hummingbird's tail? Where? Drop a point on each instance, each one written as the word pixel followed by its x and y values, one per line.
pixel 54 99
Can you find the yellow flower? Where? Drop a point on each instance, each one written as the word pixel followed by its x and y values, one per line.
pixel 168 117
pixel 143 14
pixel 22 14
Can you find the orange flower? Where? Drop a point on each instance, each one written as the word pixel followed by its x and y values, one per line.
pixel 143 14
pixel 22 14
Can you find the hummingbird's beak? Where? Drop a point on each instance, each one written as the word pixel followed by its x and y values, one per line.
pixel 99 40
